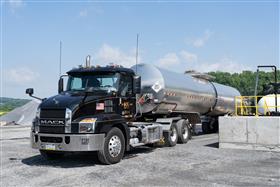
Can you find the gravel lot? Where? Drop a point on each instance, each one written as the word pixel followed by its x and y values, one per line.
pixel 197 163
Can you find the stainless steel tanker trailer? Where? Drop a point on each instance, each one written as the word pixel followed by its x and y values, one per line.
pixel 113 109
pixel 169 93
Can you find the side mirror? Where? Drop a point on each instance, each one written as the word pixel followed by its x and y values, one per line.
pixel 29 91
pixel 60 85
pixel 137 84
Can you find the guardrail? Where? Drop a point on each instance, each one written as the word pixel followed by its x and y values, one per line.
pixel 250 106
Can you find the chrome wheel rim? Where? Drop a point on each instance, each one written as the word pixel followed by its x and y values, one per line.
pixel 115 146
pixel 173 135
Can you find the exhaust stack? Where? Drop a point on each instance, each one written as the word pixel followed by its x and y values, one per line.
pixel 88 61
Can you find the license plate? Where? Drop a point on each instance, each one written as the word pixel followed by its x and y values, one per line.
pixel 50 147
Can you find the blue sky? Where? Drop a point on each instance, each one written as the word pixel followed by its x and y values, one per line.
pixel 204 36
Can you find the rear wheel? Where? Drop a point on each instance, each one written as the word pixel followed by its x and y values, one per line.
pixel 171 136
pixel 114 146
pixel 51 155
pixel 210 127
pixel 205 128
pixel 184 132
pixel 215 126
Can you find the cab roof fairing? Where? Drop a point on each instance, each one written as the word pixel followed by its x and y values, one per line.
pixel 101 69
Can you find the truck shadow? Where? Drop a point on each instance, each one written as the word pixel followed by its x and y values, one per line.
pixel 70 160
pixel 213 145
pixel 81 159
pixel 134 152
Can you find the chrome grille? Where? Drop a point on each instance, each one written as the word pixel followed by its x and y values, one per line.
pixel 52 115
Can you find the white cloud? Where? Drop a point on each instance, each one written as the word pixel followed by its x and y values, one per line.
pixel 83 13
pixel 20 75
pixel 185 62
pixel 108 54
pixel 225 64
pixel 201 41
pixel 15 4
pixel 169 59
pixel 90 10
pixel 188 56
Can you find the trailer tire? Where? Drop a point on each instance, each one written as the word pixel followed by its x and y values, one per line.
pixel 51 155
pixel 184 131
pixel 193 130
pixel 205 127
pixel 113 148
pixel 171 136
pixel 215 126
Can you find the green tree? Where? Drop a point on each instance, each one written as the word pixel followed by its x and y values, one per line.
pixel 245 82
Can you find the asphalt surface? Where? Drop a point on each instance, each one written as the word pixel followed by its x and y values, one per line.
pixel 197 163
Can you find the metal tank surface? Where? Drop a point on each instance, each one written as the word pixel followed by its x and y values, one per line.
pixel 267 104
pixel 164 91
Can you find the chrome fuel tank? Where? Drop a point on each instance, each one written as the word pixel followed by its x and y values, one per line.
pixel 164 91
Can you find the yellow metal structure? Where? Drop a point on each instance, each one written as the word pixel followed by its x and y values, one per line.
pixel 248 105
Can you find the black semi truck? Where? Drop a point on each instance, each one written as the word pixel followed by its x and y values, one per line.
pixel 113 109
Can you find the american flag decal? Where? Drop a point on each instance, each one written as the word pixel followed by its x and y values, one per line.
pixel 100 106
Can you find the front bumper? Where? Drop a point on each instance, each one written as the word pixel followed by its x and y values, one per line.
pixel 67 142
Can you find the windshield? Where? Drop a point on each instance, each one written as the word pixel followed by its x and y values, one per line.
pixel 106 82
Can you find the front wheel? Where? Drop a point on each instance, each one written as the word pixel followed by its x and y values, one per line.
pixel 114 146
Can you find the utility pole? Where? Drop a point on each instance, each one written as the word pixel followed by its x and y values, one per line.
pixel 60 51
pixel 137 51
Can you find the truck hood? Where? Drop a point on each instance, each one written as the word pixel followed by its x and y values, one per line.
pixel 65 100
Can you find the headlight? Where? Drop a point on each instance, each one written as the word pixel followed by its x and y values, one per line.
pixel 35 122
pixel 68 116
pixel 33 125
pixel 87 125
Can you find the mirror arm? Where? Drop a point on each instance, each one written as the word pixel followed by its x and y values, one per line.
pixel 37 98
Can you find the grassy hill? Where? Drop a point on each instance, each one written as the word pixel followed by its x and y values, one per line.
pixel 8 104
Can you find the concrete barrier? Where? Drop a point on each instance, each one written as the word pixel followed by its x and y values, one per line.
pixel 250 132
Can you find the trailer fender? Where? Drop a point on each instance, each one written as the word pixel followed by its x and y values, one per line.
pixel 167 122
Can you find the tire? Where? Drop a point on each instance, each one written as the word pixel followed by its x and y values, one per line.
pixel 193 130
pixel 114 147
pixel 215 126
pixel 171 136
pixel 184 131
pixel 51 155
pixel 211 127
pixel 205 128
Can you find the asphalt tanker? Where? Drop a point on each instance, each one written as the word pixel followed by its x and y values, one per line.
pixel 113 109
